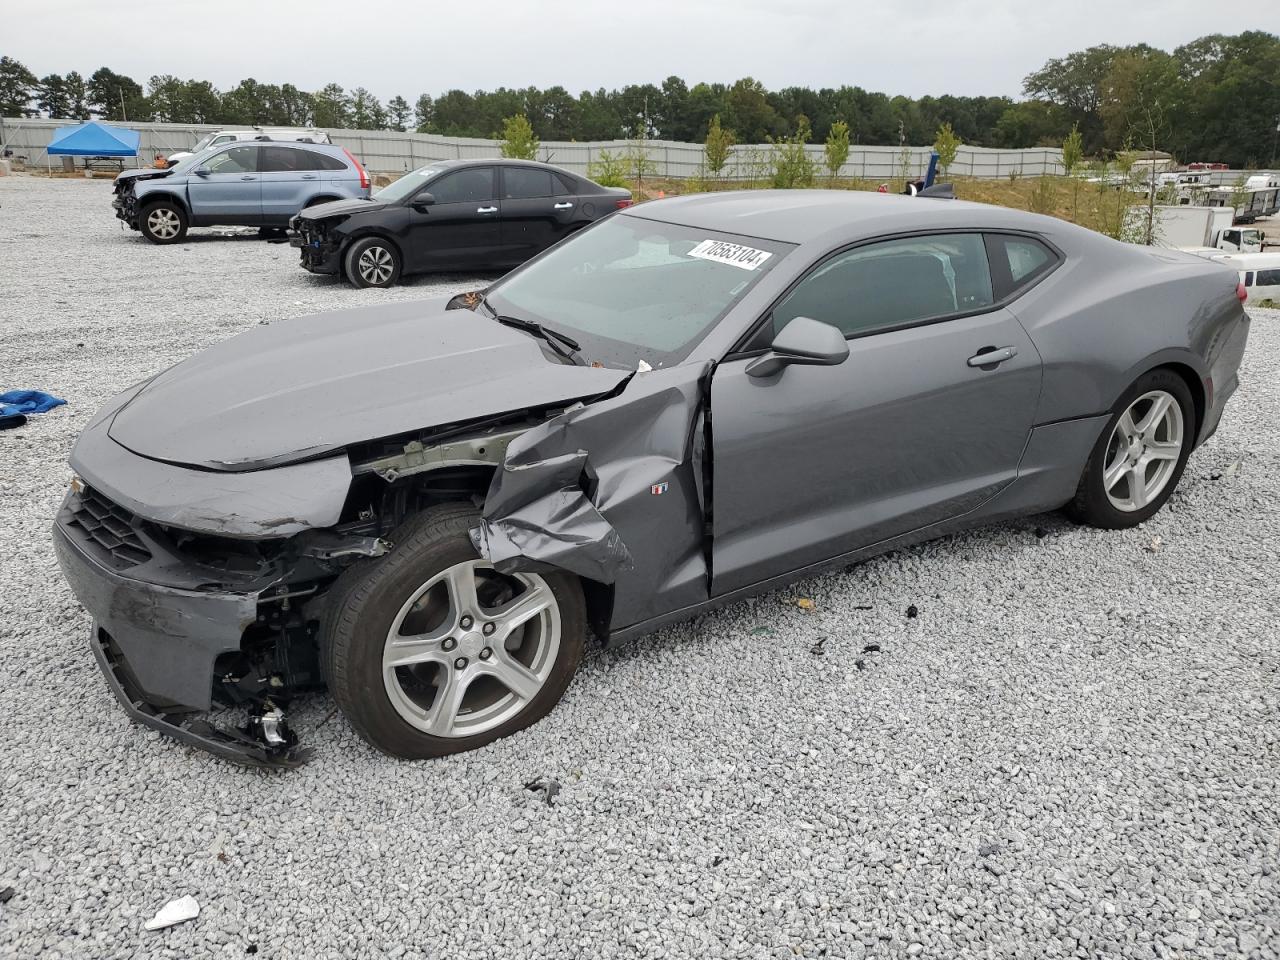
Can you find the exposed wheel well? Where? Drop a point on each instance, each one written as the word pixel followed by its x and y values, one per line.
pixel 315 201
pixel 153 198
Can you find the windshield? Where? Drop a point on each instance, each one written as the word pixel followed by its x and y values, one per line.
pixel 632 289
pixel 409 184
pixel 203 142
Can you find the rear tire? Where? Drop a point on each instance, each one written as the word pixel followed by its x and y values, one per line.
pixel 466 672
pixel 163 222
pixel 372 262
pixel 1139 458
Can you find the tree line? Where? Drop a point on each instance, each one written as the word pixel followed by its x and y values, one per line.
pixel 1213 99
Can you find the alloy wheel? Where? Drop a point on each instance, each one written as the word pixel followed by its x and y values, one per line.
pixel 1143 451
pixel 163 223
pixel 470 649
pixel 376 265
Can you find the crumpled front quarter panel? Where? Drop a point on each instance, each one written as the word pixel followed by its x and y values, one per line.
pixel 610 491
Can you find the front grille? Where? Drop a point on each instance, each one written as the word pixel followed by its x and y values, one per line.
pixel 107 529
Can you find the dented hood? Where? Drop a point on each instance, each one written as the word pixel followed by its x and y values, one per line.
pixel 297 389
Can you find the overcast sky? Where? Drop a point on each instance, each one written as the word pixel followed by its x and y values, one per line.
pixel 395 47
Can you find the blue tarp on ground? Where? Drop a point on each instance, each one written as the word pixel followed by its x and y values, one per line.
pixel 94 139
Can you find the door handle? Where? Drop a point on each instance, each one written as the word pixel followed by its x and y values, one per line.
pixel 248 178
pixel 308 176
pixel 563 206
pixel 486 209
pixel 990 356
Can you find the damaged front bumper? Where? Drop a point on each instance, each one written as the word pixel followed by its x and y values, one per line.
pixel 175 638
pixel 319 252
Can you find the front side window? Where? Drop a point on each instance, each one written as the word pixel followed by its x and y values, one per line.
pixel 1268 278
pixel 524 183
pixel 631 289
pixel 472 185
pixel 235 160
pixel 892 284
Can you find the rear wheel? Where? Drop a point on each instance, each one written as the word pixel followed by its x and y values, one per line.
pixel 373 262
pixel 163 222
pixel 430 651
pixel 1138 460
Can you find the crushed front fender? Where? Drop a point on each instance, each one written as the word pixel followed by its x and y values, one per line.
pixel 612 491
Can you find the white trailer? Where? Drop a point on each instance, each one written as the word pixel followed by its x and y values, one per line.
pixel 1187 227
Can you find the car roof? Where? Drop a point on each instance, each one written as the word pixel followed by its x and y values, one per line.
pixel 804 216
pixel 499 162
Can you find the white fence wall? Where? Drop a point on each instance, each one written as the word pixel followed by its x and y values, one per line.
pixel 386 151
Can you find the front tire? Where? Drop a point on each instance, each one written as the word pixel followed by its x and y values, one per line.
pixel 373 262
pixel 428 651
pixel 1139 458
pixel 163 222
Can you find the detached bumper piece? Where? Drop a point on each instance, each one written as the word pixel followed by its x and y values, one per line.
pixel 267 743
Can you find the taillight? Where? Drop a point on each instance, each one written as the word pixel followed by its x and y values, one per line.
pixel 623 204
pixel 364 177
pixel 1241 293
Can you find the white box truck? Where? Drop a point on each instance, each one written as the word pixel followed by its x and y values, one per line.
pixel 1187 227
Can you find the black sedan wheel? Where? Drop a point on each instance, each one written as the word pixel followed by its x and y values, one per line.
pixel 1140 456
pixel 373 262
pixel 430 651
pixel 163 222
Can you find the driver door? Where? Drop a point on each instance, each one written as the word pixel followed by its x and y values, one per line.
pixel 462 228
pixel 818 461
pixel 231 190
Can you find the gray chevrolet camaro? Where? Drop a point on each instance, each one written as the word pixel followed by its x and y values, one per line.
pixel 428 506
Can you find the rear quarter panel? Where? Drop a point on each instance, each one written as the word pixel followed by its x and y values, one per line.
pixel 1113 311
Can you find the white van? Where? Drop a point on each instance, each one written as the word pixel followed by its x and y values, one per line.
pixel 219 137
pixel 1259 272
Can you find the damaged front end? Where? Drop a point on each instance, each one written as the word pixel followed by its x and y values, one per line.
pixel 185 623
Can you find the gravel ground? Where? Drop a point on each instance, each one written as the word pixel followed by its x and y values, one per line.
pixel 1070 752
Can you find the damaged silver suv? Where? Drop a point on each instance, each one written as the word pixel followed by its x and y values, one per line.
pixel 428 507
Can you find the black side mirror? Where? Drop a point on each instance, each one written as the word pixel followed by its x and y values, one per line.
pixel 422 201
pixel 802 341
pixel 201 171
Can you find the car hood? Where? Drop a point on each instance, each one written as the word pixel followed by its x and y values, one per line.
pixel 339 208
pixel 144 173
pixel 298 389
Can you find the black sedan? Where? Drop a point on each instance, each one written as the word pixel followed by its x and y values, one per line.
pixel 451 215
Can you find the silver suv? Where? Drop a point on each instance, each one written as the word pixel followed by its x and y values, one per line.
pixel 258 183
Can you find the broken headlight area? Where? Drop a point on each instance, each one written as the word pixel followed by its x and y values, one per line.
pixel 188 625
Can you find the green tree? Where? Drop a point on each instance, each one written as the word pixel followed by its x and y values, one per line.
pixel 367 113
pixel 332 107
pixel 518 140
pixel 748 112
pixel 792 165
pixel 113 96
pixel 399 112
pixel 718 146
pixel 17 87
pixel 77 92
pixel 424 113
pixel 53 101
pixel 836 149
pixel 1076 83
pixel 946 144
pixel 1072 158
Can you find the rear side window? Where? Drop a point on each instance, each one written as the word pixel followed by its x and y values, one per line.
pixel 523 183
pixel 565 186
pixel 1018 262
pixel 464 186
pixel 286 160
pixel 1268 278
pixel 327 162
pixel 893 284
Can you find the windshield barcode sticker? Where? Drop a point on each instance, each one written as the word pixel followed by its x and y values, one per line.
pixel 735 255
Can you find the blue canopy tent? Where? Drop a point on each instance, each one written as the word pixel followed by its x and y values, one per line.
pixel 93 139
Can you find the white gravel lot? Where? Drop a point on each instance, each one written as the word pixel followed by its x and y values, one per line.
pixel 1071 752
